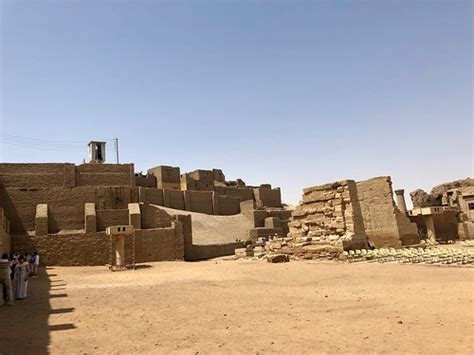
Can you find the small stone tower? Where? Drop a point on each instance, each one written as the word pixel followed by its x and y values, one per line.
pixel 96 152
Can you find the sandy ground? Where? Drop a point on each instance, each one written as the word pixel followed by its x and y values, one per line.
pixel 220 306
pixel 210 229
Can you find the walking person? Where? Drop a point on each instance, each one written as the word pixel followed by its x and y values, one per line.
pixel 36 261
pixel 6 292
pixel 21 278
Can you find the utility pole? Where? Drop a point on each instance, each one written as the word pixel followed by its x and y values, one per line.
pixel 116 147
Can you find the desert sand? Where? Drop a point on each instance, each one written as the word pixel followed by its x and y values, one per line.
pixel 244 306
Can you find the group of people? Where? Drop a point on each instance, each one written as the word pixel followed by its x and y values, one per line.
pixel 15 270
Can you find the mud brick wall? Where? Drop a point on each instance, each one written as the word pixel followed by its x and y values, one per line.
pixel 35 175
pixel 202 252
pixel 151 195
pixel 159 244
pixel 65 205
pixel 330 214
pixel 267 197
pixel 66 250
pixel 228 205
pixel 153 217
pixel 198 201
pixel 173 199
pixel 145 180
pixel 385 224
pixel 107 218
pixel 105 175
pixel 167 177
pixel 93 249
pixel 65 188
pixel 65 175
pixel 243 193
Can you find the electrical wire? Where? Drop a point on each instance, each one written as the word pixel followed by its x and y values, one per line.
pixel 42 144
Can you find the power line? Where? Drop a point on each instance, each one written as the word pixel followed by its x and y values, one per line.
pixel 39 140
pixel 42 144
pixel 59 149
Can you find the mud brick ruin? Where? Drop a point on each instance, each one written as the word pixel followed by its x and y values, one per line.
pixel 63 211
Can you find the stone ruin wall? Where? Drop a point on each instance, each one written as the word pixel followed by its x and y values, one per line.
pixel 330 214
pixel 384 223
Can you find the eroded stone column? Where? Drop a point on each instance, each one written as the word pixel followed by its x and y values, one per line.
pixel 400 195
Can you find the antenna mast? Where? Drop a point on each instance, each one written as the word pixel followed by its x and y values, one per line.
pixel 116 148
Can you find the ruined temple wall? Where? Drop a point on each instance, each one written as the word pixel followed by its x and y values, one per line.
pixel 330 214
pixel 385 224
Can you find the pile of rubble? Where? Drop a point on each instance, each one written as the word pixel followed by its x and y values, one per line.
pixel 282 249
pixel 448 256
pixel 277 249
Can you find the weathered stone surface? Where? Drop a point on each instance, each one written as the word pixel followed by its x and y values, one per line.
pixel 327 210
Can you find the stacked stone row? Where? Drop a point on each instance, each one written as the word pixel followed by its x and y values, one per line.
pixel 456 256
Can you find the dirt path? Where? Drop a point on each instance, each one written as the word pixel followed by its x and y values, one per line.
pixel 247 307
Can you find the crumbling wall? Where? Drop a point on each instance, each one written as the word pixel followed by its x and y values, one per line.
pixel 445 224
pixel 435 198
pixel 330 214
pixel 145 180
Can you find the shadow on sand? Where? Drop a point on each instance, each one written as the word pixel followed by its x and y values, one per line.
pixel 24 327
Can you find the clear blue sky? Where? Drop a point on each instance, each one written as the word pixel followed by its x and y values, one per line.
pixel 294 93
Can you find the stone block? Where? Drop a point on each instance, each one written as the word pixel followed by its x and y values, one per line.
pixel 135 216
pixel 272 222
pixel 90 218
pixel 41 220
pixel 278 258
